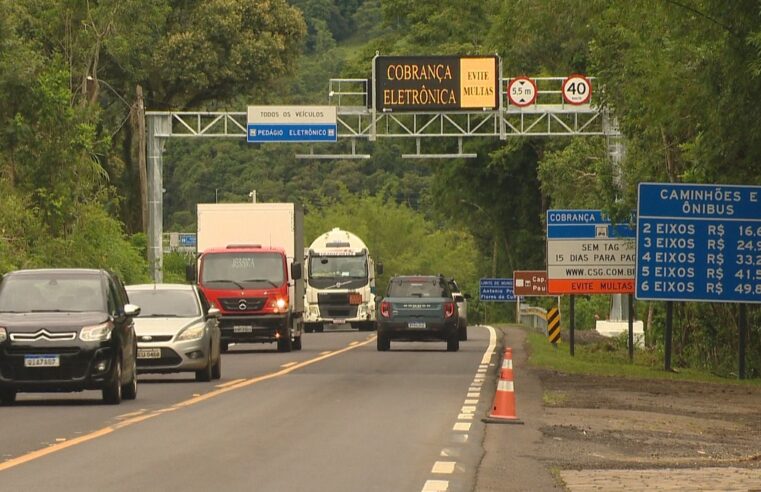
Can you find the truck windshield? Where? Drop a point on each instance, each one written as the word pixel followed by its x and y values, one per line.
pixel 53 292
pixel 326 272
pixel 242 270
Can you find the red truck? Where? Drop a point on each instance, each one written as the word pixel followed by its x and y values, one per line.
pixel 248 268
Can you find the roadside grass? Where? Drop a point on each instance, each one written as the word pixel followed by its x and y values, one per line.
pixel 609 360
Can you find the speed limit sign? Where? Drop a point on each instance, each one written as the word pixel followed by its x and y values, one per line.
pixel 521 91
pixel 577 89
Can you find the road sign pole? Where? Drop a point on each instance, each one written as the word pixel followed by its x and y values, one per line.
pixel 743 322
pixel 667 334
pixel 631 327
pixel 573 321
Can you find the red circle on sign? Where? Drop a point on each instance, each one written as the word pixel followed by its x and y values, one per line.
pixel 577 89
pixel 525 91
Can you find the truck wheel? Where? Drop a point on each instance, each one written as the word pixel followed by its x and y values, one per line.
pixel 284 344
pixel 366 326
pixel 7 396
pixel 319 327
pixel 296 343
pixel 224 346
pixel 384 342
pixel 453 342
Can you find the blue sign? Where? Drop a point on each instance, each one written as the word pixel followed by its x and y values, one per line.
pixel 496 289
pixel 188 240
pixel 585 224
pixel 698 243
pixel 313 132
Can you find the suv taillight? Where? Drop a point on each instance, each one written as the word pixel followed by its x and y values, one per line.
pixel 448 309
pixel 386 309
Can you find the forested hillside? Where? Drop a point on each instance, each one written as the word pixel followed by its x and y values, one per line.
pixel 682 78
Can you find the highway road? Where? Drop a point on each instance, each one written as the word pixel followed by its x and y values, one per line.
pixel 338 416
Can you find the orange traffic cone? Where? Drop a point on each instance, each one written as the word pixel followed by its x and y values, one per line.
pixel 503 408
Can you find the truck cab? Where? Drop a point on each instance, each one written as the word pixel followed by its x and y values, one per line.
pixel 340 286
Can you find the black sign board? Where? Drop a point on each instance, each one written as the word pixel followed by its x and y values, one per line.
pixel 437 83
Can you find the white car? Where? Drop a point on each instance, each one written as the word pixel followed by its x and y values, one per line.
pixel 462 307
pixel 177 330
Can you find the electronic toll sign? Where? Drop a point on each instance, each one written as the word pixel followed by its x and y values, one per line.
pixel 699 242
pixel 436 83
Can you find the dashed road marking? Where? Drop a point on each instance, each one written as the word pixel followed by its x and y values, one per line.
pixel 461 426
pixel 436 486
pixel 443 467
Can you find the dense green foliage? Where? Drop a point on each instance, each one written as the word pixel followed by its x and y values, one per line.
pixel 682 78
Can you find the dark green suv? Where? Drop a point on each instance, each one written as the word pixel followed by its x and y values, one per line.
pixel 418 308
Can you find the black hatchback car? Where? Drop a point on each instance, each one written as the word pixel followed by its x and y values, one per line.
pixel 418 308
pixel 66 330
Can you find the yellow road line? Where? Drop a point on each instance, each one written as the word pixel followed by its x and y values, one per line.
pixel 289 364
pixel 229 383
pixel 139 417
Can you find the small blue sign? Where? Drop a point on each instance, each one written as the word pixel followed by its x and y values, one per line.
pixel 496 289
pixel 188 240
pixel 698 243
pixel 585 224
pixel 269 133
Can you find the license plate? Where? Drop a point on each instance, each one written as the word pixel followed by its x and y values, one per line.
pixel 149 353
pixel 338 321
pixel 42 361
pixel 243 329
pixel 416 324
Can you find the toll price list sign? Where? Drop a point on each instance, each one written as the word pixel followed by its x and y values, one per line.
pixel 699 243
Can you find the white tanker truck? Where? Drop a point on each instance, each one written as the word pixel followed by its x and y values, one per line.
pixel 340 282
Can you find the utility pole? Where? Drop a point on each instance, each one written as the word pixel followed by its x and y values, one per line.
pixel 141 160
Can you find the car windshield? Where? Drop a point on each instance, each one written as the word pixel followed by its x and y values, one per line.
pixel 243 269
pixel 417 287
pixel 181 303
pixel 52 292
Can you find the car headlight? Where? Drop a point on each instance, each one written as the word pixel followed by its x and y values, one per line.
pixel 193 332
pixel 97 333
pixel 3 334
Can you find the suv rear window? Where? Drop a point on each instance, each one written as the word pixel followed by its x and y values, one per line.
pixel 417 287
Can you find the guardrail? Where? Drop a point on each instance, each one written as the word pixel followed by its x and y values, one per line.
pixel 534 317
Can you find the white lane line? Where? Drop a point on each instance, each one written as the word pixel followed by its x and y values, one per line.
pixel 474 395
pixel 465 416
pixel 436 486
pixel 289 364
pixel 460 438
pixel 468 409
pixel 461 426
pixel 471 402
pixel 443 467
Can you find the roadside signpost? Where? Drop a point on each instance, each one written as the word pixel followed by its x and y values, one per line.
pixel 577 89
pixel 188 239
pixel 269 124
pixel 496 289
pixel 588 254
pixel 699 243
pixel 522 91
pixel 530 282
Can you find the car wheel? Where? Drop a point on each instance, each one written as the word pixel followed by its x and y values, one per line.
pixel 453 342
pixel 129 390
pixel 204 375
pixel 7 396
pixel 216 369
pixel 112 393
pixel 224 346
pixel 463 331
pixel 296 343
pixel 384 342
pixel 284 344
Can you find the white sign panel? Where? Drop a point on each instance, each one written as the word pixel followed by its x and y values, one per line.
pixel 291 124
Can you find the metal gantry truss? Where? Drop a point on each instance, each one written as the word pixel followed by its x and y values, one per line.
pixel 357 121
